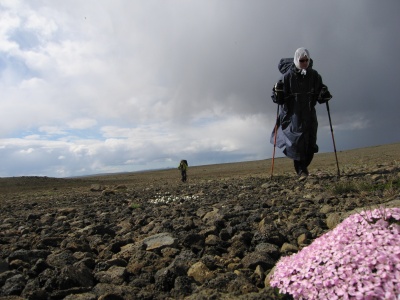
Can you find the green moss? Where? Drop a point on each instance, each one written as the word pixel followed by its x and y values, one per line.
pixel 352 187
pixel 135 206
pixel 345 188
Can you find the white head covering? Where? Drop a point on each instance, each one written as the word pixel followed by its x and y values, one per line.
pixel 300 53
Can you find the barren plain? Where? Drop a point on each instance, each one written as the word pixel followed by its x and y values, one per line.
pixel 147 235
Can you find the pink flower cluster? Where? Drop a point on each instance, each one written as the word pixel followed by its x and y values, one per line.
pixel 359 259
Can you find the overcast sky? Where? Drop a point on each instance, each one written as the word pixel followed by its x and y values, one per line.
pixel 100 86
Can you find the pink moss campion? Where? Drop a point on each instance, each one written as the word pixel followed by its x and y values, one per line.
pixel 359 259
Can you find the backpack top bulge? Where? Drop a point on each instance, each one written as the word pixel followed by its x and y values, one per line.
pixel 286 63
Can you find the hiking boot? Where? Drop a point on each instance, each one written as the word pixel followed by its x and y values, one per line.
pixel 302 171
pixel 303 175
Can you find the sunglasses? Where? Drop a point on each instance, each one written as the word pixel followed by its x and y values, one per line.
pixel 303 60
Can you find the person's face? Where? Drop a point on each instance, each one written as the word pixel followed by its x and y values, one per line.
pixel 303 62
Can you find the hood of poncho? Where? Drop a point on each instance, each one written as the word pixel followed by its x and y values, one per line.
pixel 301 52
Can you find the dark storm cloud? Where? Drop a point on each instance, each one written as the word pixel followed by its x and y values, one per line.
pixel 230 59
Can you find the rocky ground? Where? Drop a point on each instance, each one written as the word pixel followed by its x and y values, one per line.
pixel 149 236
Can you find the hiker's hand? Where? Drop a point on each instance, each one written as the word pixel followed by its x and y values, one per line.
pixel 276 98
pixel 324 95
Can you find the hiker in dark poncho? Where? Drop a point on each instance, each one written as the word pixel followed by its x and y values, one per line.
pixel 297 122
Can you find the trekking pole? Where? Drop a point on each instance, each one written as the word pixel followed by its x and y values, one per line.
pixel 333 138
pixel 275 133
pixel 278 89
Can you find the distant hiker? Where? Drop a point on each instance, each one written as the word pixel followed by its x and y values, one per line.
pixel 301 87
pixel 183 166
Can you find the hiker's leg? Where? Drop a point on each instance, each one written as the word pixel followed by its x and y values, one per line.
pixel 297 166
pixel 303 168
pixel 312 141
pixel 311 148
pixel 309 159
